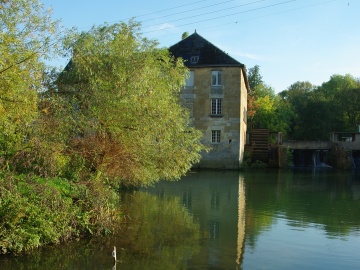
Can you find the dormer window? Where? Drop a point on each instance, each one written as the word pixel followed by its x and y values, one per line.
pixel 194 59
pixel 216 78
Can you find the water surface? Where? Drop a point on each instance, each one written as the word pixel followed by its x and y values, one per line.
pixel 305 219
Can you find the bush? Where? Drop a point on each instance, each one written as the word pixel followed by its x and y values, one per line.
pixel 37 211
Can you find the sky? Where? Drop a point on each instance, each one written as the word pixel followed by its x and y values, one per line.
pixel 290 40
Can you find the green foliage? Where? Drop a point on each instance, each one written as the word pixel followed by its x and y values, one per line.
pixel 254 77
pixel 289 157
pixel 347 104
pixel 26 33
pixel 258 165
pixel 157 233
pixel 113 117
pixel 337 84
pixel 257 86
pixel 184 35
pixel 318 111
pixel 246 161
pixel 37 211
pixel 266 110
pixel 132 127
pixel 304 111
pixel 32 217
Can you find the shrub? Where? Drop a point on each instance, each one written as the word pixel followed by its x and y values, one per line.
pixel 38 211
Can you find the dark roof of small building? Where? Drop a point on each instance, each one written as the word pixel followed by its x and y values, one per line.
pixel 198 52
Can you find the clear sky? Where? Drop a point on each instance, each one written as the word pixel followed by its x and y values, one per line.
pixel 291 40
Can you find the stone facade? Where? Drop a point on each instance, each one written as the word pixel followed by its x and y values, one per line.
pixel 216 95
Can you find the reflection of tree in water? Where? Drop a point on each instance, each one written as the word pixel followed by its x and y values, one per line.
pixel 325 199
pixel 155 224
pixel 159 233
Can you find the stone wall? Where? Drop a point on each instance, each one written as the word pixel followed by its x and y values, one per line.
pixel 232 123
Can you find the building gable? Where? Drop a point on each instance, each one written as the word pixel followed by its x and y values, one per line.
pixel 198 52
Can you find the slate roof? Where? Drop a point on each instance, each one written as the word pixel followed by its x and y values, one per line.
pixel 198 52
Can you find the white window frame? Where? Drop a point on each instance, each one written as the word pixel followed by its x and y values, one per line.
pixel 216 78
pixel 216 106
pixel 190 80
pixel 215 136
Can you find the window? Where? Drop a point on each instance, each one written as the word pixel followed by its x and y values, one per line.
pixel 216 78
pixel 215 136
pixel 216 106
pixel 190 79
pixel 194 59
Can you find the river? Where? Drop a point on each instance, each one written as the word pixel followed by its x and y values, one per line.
pixel 267 219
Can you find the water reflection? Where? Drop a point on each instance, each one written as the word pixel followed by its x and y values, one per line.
pixel 158 233
pixel 226 220
pixel 302 220
pixel 248 215
pixel 241 221
pixel 328 199
pixel 156 230
pixel 217 200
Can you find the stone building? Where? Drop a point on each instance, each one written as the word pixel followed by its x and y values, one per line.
pixel 216 95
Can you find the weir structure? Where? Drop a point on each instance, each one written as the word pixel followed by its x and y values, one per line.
pixel 341 151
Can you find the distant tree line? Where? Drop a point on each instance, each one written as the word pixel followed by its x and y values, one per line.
pixel 304 111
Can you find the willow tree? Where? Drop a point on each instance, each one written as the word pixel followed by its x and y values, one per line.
pixel 130 126
pixel 27 34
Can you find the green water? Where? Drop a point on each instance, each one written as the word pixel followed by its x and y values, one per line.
pixel 226 220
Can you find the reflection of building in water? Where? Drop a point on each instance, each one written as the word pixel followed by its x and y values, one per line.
pixel 241 221
pixel 217 202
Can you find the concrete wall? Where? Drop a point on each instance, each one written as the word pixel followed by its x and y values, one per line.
pixel 346 140
pixel 232 123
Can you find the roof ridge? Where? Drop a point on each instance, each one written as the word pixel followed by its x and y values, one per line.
pixel 205 52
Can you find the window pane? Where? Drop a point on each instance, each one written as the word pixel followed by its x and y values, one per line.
pixel 213 80
pixel 215 136
pixel 216 106
pixel 190 79
pixel 213 105
pixel 216 77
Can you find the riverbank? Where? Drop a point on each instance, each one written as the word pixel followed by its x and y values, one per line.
pixel 38 211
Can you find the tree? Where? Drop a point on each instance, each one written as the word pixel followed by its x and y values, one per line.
pixel 296 97
pixel 348 102
pixel 257 86
pixel 344 92
pixel 131 127
pixel 273 114
pixel 260 101
pixel 26 36
pixel 254 77
pixel 321 110
pixel 338 83
pixel 318 119
pixel 297 93
pixel 184 35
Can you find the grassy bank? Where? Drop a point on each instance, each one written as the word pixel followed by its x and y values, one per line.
pixel 39 211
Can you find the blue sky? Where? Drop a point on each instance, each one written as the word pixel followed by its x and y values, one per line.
pixel 291 40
